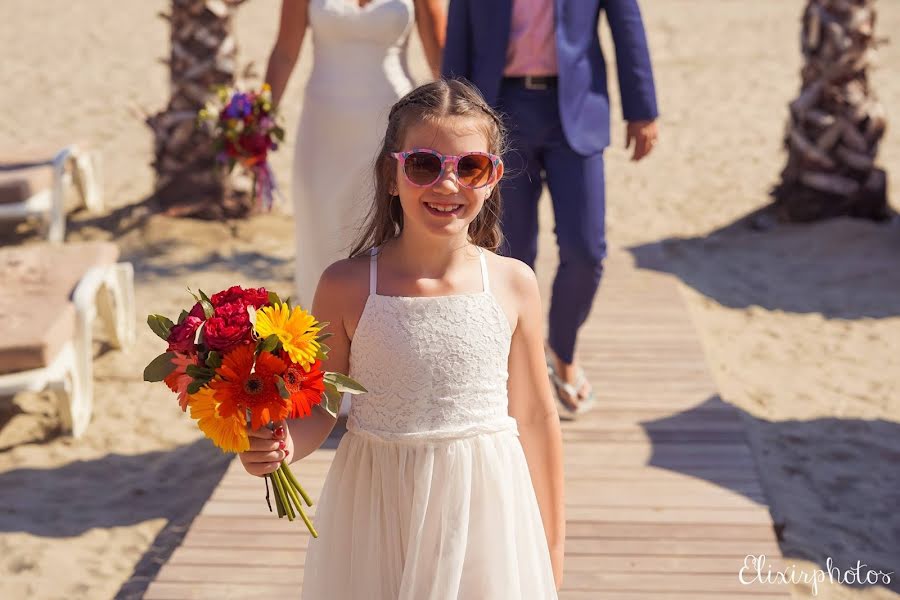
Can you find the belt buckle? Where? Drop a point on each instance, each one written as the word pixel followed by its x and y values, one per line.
pixel 535 83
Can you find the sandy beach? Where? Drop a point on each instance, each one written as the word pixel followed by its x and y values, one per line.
pixel 801 324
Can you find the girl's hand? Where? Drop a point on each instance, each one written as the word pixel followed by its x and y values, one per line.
pixel 267 449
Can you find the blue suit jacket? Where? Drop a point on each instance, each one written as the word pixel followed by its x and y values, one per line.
pixel 478 36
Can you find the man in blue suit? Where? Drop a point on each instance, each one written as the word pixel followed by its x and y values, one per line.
pixel 540 63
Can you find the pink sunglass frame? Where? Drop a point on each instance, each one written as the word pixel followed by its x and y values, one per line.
pixel 496 161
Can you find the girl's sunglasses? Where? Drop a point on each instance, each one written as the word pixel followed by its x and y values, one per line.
pixel 424 167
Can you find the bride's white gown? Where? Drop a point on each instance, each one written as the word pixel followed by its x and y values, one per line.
pixel 359 71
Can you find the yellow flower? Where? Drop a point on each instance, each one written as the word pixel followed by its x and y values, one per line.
pixel 228 433
pixel 296 328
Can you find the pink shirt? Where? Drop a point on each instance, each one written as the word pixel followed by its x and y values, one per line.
pixel 532 39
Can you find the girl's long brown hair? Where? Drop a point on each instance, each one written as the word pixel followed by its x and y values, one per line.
pixel 441 98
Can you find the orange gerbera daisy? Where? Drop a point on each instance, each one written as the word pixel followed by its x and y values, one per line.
pixel 228 433
pixel 306 387
pixel 247 383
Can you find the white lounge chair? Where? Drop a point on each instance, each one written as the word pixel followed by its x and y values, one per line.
pixel 37 186
pixel 51 295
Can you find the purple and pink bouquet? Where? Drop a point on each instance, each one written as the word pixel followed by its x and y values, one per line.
pixel 244 128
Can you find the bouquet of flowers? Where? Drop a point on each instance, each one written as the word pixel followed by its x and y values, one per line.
pixel 244 129
pixel 244 358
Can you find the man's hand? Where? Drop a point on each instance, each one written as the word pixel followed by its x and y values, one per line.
pixel 644 134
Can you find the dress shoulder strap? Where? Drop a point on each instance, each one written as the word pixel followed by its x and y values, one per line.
pixel 485 283
pixel 373 271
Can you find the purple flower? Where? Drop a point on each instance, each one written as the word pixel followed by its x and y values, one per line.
pixel 239 107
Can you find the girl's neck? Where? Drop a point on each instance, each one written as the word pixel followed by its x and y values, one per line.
pixel 427 258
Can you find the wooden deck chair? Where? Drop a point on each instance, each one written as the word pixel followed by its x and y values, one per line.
pixel 51 295
pixel 36 186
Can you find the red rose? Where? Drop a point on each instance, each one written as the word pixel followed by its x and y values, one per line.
pixel 228 327
pixel 255 144
pixel 197 311
pixel 257 297
pixel 181 337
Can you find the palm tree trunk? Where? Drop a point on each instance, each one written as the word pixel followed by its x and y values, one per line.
pixel 203 55
pixel 836 123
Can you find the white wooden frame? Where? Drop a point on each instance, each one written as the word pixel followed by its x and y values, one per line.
pixel 107 291
pixel 49 204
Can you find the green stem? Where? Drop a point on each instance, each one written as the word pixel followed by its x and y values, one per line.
pixel 279 508
pixel 279 489
pixel 293 494
pixel 309 525
pixel 292 514
pixel 296 484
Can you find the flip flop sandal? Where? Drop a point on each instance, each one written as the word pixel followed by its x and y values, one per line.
pixel 566 412
pixel 588 402
pixel 571 390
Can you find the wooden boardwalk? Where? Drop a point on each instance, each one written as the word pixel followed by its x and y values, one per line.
pixel 663 498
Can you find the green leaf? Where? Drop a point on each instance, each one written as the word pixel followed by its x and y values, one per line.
pixel 213 360
pixel 184 315
pixel 207 306
pixel 194 386
pixel 269 343
pixel 160 325
pixel 342 383
pixel 198 372
pixel 324 337
pixel 274 299
pixel 208 309
pixel 332 401
pixel 282 389
pixel 159 367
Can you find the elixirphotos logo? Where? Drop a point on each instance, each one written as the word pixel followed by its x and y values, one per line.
pixel 757 570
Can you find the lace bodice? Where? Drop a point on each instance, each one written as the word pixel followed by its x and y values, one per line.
pixel 434 367
pixel 360 50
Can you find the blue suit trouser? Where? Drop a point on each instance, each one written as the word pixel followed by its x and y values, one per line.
pixel 539 152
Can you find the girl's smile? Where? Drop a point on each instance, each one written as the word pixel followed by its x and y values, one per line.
pixel 444 210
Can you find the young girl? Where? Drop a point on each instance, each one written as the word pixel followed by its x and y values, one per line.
pixel 431 494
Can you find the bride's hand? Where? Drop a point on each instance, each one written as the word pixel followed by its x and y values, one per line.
pixel 267 449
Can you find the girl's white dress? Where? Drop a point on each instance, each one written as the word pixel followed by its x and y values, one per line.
pixel 429 496
pixel 359 71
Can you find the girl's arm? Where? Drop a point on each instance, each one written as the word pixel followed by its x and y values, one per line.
pixel 291 29
pixel 531 404
pixel 431 20
pixel 296 438
pixel 329 306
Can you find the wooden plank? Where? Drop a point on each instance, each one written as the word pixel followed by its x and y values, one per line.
pixel 292 542
pixel 631 530
pixel 233 556
pixel 251 589
pixel 567 594
pixel 723 584
pixel 663 496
